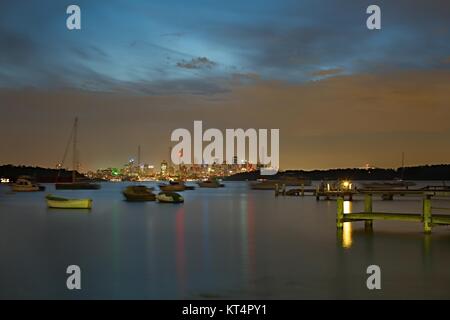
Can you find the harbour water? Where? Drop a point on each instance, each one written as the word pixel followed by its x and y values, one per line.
pixel 223 243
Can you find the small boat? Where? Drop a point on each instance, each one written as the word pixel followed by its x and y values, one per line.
pixel 210 184
pixel 264 185
pixel 172 187
pixel 65 203
pixel 138 193
pixel 25 184
pixel 178 182
pixel 169 197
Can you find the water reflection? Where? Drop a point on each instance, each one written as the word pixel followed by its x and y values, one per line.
pixel 348 206
pixel 180 251
pixel 244 237
pixel 206 238
pixel 347 228
pixel 116 246
pixel 347 235
pixel 207 248
pixel 426 258
pixel 247 227
pixel 251 234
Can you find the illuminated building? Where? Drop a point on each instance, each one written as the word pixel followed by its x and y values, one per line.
pixel 164 166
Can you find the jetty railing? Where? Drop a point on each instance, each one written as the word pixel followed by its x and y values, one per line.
pixel 368 216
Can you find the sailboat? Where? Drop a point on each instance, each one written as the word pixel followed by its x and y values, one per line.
pixel 75 185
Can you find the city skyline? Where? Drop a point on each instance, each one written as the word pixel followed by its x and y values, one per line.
pixel 341 95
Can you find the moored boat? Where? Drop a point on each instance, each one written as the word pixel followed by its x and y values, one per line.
pixel 210 184
pixel 169 197
pixel 75 185
pixel 172 187
pixel 65 203
pixel 178 182
pixel 138 193
pixel 25 184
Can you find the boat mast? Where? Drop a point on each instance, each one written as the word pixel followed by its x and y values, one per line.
pixel 74 151
pixel 139 158
pixel 403 165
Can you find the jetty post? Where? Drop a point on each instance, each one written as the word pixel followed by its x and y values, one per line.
pixel 340 213
pixel 427 214
pixel 368 208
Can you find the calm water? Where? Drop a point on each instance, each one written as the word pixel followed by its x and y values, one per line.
pixel 221 243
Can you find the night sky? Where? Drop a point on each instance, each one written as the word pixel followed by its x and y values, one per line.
pixel 341 95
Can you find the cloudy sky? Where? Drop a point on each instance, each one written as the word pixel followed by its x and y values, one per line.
pixel 341 95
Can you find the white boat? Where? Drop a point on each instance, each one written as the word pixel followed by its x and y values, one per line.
pixel 169 197
pixel 24 184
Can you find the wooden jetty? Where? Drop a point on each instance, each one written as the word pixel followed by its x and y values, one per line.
pixel 318 192
pixel 368 216
pixel 388 194
pixel 348 193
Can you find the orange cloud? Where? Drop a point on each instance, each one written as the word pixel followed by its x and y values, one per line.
pixel 342 121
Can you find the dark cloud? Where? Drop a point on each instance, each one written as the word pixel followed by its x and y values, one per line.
pixel 197 63
pixel 15 48
pixel 307 36
pixel 294 41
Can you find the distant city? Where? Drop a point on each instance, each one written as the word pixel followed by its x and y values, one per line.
pixel 136 171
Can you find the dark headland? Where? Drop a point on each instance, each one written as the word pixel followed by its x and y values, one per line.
pixel 427 172
pixel 44 175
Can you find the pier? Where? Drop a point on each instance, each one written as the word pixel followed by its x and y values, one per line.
pixel 316 192
pixel 347 193
pixel 368 216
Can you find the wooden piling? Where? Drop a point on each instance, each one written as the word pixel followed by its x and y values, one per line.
pixel 427 214
pixel 368 208
pixel 426 217
pixel 340 213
